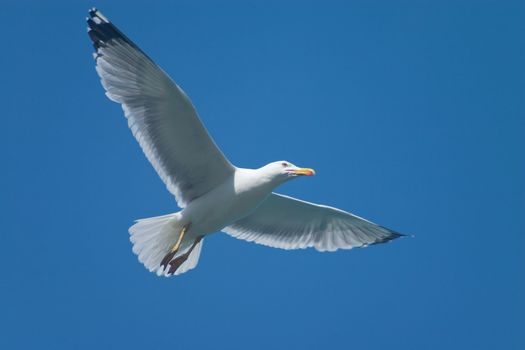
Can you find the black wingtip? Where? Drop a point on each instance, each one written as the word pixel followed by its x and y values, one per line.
pixel 95 13
pixel 392 235
pixel 101 31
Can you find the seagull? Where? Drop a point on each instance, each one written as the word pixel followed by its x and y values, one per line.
pixel 214 195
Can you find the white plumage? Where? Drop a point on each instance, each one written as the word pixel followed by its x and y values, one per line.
pixel 214 194
pixel 289 223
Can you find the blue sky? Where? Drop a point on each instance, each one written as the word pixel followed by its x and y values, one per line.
pixel 412 113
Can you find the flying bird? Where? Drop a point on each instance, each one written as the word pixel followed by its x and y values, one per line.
pixel 214 194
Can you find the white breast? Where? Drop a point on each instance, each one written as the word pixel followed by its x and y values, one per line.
pixel 235 198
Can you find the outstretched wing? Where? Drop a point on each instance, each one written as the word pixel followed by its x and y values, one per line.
pixel 159 114
pixel 289 223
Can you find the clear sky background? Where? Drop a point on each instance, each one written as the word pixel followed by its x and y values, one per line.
pixel 412 113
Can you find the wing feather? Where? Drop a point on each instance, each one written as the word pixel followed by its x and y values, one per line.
pixel 289 223
pixel 160 115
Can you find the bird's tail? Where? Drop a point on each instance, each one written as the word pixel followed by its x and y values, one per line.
pixel 153 238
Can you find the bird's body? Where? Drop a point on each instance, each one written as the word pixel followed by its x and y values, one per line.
pixel 214 194
pixel 235 198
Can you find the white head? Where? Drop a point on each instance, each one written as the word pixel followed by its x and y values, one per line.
pixel 282 171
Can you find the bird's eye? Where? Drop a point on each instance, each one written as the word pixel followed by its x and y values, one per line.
pixel 284 164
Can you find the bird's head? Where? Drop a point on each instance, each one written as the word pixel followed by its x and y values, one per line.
pixel 282 171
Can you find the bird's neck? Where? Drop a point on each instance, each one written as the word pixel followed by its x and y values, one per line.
pixel 256 179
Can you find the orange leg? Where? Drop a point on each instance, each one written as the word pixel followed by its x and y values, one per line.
pixel 175 247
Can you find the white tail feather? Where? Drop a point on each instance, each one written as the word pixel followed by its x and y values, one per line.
pixel 153 238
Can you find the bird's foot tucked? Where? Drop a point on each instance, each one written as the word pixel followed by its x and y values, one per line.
pixel 178 261
pixel 165 261
pixel 175 248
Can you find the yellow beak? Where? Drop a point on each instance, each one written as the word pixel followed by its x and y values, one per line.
pixel 304 171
